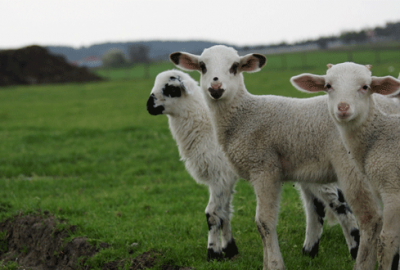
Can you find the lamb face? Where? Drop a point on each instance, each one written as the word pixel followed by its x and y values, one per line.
pixel 349 87
pixel 221 69
pixel 168 88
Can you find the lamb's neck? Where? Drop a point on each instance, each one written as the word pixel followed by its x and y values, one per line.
pixel 186 128
pixel 222 112
pixel 359 139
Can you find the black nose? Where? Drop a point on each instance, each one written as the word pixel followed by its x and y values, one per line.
pixel 215 79
pixel 150 106
pixel 216 94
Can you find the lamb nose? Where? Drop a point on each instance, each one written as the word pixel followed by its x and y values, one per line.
pixel 343 107
pixel 215 79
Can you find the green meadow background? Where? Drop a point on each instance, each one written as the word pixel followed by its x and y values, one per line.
pixel 91 154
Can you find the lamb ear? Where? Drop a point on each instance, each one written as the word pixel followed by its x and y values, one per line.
pixel 309 83
pixel 387 85
pixel 185 86
pixel 252 62
pixel 185 61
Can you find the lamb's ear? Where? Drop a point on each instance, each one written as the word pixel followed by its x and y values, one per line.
pixel 187 87
pixel 252 62
pixel 185 61
pixel 387 85
pixel 309 83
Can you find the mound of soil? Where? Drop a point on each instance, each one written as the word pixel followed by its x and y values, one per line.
pixel 37 242
pixel 34 241
pixel 35 65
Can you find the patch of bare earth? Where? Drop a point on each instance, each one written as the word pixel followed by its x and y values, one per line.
pixel 36 242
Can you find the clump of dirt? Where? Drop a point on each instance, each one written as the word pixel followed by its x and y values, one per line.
pixel 36 242
pixel 35 65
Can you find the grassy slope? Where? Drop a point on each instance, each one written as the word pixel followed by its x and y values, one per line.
pixel 91 154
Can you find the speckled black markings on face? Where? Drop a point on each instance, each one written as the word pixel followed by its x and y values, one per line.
pixel 203 67
pixel 171 91
pixel 231 249
pixel 150 106
pixel 313 252
pixel 320 209
pixel 355 233
pixel 233 69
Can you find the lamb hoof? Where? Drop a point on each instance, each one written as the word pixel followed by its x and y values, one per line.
pixel 212 255
pixel 313 252
pixel 231 249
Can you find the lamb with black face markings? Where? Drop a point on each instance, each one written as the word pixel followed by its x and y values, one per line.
pixel 271 139
pixel 190 125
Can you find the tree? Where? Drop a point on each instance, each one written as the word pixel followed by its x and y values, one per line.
pixel 139 54
pixel 114 58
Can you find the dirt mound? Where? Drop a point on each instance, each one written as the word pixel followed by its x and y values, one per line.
pixel 35 65
pixel 37 242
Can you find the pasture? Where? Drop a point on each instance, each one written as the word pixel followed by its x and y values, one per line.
pixel 90 154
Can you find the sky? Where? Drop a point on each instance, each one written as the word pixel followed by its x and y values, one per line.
pixel 79 23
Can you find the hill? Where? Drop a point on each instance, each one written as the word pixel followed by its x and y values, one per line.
pixel 157 49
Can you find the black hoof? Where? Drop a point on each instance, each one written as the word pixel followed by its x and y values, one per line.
pixel 395 262
pixel 212 255
pixel 313 252
pixel 231 249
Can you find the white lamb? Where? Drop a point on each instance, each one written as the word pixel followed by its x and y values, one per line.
pixel 270 139
pixel 371 137
pixel 178 96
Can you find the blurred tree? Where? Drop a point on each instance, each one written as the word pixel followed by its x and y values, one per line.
pixel 139 54
pixel 114 58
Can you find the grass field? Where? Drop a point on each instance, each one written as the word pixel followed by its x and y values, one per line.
pixel 91 154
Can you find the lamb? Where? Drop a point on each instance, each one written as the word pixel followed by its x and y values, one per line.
pixel 396 98
pixel 370 136
pixel 178 96
pixel 270 139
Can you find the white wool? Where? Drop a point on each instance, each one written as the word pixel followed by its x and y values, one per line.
pixel 270 139
pixel 371 136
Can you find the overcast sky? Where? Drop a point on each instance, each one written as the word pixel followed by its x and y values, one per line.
pixel 249 22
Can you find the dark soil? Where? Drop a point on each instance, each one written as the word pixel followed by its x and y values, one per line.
pixel 34 241
pixel 35 65
pixel 37 242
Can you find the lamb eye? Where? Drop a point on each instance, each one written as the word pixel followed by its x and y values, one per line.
pixel 233 69
pixel 203 67
pixel 365 87
pixel 328 86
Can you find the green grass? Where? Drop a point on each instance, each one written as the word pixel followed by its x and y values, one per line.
pixel 91 154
